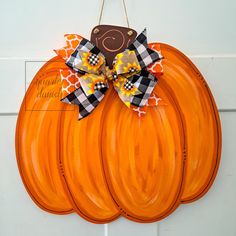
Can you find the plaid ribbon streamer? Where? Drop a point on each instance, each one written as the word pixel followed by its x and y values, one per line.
pixel 133 83
pixel 145 82
pixel 145 55
pixel 86 103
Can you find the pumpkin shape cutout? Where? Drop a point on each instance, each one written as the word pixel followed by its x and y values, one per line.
pixel 114 163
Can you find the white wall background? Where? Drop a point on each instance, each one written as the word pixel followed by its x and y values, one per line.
pixel 205 30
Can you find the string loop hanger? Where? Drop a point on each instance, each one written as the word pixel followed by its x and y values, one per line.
pixel 124 8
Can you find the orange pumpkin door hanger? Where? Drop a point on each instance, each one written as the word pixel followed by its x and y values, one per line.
pixel 134 132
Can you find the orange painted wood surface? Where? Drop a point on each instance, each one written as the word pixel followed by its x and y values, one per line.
pixel 112 162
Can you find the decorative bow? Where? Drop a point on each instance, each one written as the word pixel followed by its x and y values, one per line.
pixel 129 75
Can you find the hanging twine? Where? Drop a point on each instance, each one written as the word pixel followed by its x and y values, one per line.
pixel 125 11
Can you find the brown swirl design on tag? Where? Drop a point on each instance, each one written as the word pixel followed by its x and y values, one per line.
pixel 112 40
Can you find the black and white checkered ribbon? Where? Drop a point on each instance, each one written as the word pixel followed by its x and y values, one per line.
pixel 144 81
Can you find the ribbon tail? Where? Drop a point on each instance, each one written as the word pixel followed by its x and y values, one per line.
pixel 145 55
pixel 85 103
pixel 145 83
pixel 69 81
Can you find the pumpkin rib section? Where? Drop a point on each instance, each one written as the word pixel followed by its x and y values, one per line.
pixel 124 178
pixel 31 193
pixel 81 166
pixel 200 113
pixel 78 210
pixel 216 166
pixel 33 157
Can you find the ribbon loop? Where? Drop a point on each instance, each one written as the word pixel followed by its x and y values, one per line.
pixel 126 63
pixel 91 83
